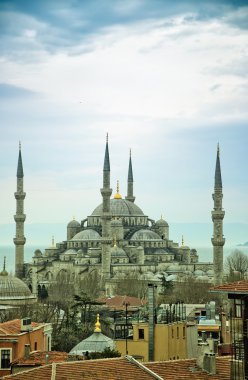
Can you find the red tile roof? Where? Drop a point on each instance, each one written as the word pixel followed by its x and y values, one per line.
pixel 125 369
pixel 118 302
pixel 38 358
pixel 14 327
pixel 238 287
pixel 188 370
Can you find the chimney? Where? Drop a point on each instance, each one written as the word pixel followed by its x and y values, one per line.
pixel 26 350
pixel 151 322
pixel 209 363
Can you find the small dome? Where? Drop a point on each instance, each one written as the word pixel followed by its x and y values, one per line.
pixel 37 253
pixel 73 224
pixel 145 235
pixel 118 251
pixel 12 288
pixel 97 342
pixel 87 235
pixel 161 223
pixel 210 272
pixel 198 272
pixel 171 277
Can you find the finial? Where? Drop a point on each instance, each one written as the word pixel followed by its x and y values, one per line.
pixel 117 195
pixel 4 272
pixel 52 241
pixel 20 145
pixel 107 138
pixel 161 217
pixel 97 324
pixel 130 151
pixel 114 242
pixel 182 241
pixel 73 217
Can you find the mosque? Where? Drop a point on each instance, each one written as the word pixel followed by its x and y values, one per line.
pixel 116 239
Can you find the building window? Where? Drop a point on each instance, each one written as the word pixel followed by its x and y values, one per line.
pixel 177 332
pixel 238 308
pixel 172 333
pixel 35 346
pixel 141 334
pixel 5 358
pixel 183 332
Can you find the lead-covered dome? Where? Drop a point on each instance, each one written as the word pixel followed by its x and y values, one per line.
pixel 145 235
pixel 14 291
pixel 88 234
pixel 120 207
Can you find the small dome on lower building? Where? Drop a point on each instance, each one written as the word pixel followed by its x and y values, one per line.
pixel 97 342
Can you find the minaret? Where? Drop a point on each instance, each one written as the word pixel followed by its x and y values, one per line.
pixel 218 213
pixel 19 217
pixel 106 192
pixel 130 196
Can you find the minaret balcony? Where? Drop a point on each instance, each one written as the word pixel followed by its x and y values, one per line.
pixel 218 242
pixel 20 217
pixel 106 192
pixel 20 195
pixel 19 240
pixel 218 215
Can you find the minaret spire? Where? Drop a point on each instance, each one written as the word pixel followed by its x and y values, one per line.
pixel 130 196
pixel 106 192
pixel 218 214
pixel 19 217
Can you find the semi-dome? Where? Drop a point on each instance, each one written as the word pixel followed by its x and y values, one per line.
pixel 145 235
pixel 88 234
pixel 120 207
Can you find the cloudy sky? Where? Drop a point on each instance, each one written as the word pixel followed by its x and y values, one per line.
pixel 167 79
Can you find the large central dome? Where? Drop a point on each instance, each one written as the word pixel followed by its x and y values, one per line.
pixel 120 207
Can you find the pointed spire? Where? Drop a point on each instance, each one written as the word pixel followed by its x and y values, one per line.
pixel 97 324
pixel 19 166
pixel 106 166
pixel 130 169
pixel 182 241
pixel 218 180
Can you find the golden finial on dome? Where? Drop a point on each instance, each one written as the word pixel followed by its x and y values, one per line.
pixel 117 195
pixel 97 324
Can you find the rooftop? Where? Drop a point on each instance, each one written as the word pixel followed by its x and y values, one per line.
pixel 238 287
pixel 125 368
pixel 14 327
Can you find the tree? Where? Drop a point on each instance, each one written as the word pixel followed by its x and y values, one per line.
pixel 236 265
pixel 132 286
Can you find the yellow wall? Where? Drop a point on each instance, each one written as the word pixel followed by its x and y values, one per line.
pixel 169 342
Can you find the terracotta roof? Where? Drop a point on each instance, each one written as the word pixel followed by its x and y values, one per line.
pixel 104 369
pixel 239 287
pixel 118 302
pixel 188 370
pixel 38 358
pixel 14 327
pixel 124 369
